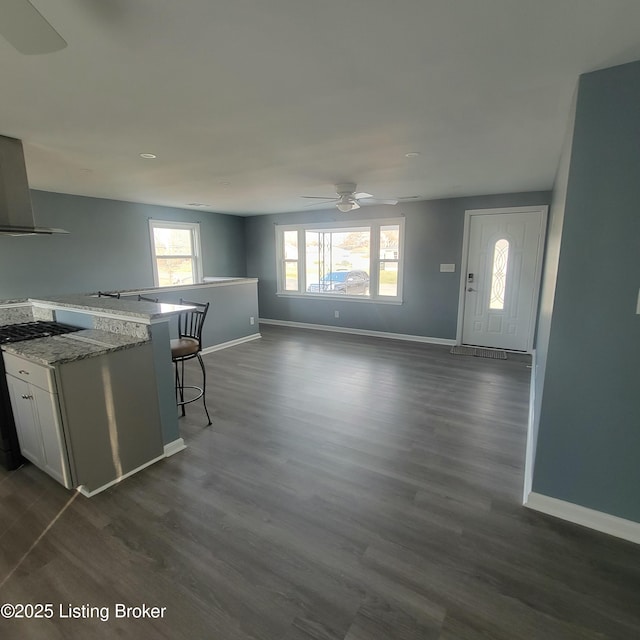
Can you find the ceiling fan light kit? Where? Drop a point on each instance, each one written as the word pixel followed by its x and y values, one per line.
pixel 347 203
pixel 349 200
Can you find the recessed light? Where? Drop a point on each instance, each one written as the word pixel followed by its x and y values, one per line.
pixel 197 204
pixel 225 183
pixel 412 154
pixel 148 156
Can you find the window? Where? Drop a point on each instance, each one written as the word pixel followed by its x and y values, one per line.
pixel 175 249
pixel 291 260
pixel 389 263
pixel 360 260
pixel 499 274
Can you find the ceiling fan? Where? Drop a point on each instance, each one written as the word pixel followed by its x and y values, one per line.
pixel 348 199
pixel 26 29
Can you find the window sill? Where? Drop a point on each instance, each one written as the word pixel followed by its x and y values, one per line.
pixel 324 296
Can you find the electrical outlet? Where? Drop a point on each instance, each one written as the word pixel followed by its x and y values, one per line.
pixel 336 314
pixel 252 320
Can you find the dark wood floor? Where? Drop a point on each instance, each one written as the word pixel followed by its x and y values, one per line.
pixel 349 488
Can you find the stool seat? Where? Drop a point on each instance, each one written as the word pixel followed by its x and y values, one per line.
pixel 181 347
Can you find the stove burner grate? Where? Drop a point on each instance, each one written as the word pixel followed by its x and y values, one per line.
pixel 31 330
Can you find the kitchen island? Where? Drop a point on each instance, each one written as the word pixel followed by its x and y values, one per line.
pixel 86 411
pixel 111 389
pixel 87 405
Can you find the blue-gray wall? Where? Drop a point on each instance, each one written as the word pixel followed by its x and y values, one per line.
pixel 433 235
pixel 548 289
pixel 589 431
pixel 108 246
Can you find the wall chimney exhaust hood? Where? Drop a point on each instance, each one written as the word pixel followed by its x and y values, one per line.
pixel 16 213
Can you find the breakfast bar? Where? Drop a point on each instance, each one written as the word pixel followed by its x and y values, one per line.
pixel 96 403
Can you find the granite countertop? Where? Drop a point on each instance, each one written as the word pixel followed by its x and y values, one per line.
pixel 120 307
pixel 86 343
pixel 13 312
pixel 207 281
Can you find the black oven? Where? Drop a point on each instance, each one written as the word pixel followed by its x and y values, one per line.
pixel 10 457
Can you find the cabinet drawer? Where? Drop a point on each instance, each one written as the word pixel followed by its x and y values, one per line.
pixel 35 374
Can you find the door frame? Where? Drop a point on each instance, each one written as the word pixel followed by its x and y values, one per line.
pixel 544 210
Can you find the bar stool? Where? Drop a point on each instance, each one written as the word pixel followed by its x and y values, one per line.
pixel 186 346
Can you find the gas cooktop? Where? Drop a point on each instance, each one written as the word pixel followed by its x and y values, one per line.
pixel 31 330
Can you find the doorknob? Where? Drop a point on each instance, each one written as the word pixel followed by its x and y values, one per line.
pixel 471 289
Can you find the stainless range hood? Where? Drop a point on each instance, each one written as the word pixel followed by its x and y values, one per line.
pixel 16 213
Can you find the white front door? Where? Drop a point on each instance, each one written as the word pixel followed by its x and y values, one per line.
pixel 502 277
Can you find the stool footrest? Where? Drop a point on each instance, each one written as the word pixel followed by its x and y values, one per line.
pixel 200 394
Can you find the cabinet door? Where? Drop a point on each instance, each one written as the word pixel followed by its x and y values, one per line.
pixel 26 420
pixel 54 449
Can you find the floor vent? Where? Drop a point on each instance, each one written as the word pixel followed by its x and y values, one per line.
pixel 478 352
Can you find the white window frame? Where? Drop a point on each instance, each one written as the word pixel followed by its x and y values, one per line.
pixel 374 259
pixel 196 256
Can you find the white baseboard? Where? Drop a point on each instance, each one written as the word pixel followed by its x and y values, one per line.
pixel 169 449
pixel 89 494
pixel 359 332
pixel 603 522
pixel 174 447
pixel 230 343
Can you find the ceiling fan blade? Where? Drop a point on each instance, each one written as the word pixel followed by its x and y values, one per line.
pixel 24 27
pixel 315 204
pixel 368 201
pixel 320 198
pixel 361 195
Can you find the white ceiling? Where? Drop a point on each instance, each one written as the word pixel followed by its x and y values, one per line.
pixel 249 104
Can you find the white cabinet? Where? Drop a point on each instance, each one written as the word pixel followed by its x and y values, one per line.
pixel 24 413
pixel 37 415
pixel 89 422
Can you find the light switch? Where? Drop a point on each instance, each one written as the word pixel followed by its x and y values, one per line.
pixel 447 268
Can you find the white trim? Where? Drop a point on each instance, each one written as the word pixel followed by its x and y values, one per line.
pixel 528 455
pixel 340 298
pixel 174 447
pixel 359 332
pixel 544 210
pixel 89 494
pixel 464 261
pixel 597 520
pixel 230 343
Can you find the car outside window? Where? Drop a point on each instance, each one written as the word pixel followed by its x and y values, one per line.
pixel 342 282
